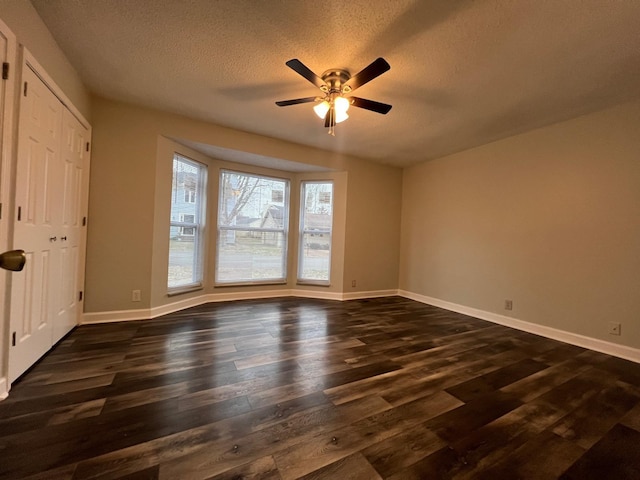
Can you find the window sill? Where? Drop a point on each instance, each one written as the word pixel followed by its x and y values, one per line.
pixel 250 284
pixel 312 283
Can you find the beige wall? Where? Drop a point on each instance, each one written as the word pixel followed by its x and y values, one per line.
pixel 549 219
pixel 26 24
pixel 373 223
pixel 128 209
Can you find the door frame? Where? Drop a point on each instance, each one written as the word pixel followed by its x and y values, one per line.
pixel 30 61
pixel 7 149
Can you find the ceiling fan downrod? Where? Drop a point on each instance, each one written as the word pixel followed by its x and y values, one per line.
pixel 335 80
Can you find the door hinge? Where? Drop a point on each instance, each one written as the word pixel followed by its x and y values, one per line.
pixel 0 211
pixel 13 339
pixel 5 70
pixel 80 296
pixel 87 146
pixel 19 213
pixel 84 221
pixel 25 89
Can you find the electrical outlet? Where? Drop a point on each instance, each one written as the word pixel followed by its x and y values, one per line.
pixel 353 283
pixel 508 304
pixel 135 295
pixel 614 328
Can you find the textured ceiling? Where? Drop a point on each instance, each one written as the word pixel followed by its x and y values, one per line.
pixel 463 72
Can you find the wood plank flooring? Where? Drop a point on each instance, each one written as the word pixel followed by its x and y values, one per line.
pixel 295 388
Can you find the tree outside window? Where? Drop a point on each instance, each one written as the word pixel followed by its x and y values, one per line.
pixel 253 221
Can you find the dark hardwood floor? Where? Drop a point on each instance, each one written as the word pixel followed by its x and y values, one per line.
pixel 295 388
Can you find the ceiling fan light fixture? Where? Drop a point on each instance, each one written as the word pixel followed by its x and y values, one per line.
pixel 341 116
pixel 321 109
pixel 342 105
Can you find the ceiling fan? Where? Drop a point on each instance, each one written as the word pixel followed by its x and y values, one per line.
pixel 335 83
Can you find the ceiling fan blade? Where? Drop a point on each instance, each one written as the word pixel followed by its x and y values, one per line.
pixel 295 101
pixel 301 69
pixel 377 107
pixel 375 69
pixel 330 118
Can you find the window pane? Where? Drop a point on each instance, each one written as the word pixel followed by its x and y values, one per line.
pixel 315 256
pixel 250 256
pixel 186 223
pixel 185 179
pixel 182 269
pixel 252 201
pixel 316 218
pixel 253 218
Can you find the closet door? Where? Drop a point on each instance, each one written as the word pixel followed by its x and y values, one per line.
pixel 39 176
pixel 75 164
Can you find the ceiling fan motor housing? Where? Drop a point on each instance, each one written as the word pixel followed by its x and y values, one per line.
pixel 335 79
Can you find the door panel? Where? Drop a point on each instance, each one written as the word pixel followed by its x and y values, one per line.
pixel 38 200
pixel 71 236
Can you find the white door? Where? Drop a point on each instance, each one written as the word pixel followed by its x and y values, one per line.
pixel 75 163
pixel 38 213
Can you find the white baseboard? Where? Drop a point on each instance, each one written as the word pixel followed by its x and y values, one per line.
pixel 4 388
pixel 371 294
pixel 320 294
pixel 115 316
pixel 176 306
pixel 148 313
pixel 621 351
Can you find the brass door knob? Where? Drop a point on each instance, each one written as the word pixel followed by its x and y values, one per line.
pixel 13 260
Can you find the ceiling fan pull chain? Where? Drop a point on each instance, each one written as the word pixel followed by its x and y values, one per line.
pixel 332 123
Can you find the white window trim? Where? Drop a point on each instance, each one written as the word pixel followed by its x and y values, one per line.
pixel 303 231
pixel 199 226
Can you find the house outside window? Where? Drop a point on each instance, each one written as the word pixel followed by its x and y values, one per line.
pixel 253 222
pixel 316 225
pixel 188 204
pixel 189 219
pixel 190 194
